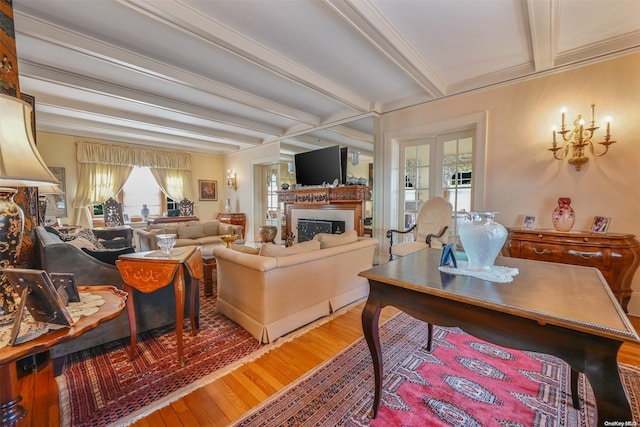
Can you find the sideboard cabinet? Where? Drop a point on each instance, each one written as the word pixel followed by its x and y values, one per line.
pixel 235 218
pixel 616 255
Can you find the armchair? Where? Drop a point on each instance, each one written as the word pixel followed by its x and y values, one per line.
pixel 431 227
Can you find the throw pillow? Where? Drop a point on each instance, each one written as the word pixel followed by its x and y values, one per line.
pixel 88 234
pixel 110 256
pixel 330 240
pixel 191 232
pixel 269 249
pixel 81 242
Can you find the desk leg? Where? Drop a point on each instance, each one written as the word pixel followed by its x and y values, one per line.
pixel 10 411
pixel 370 318
pixel 133 328
pixel 611 398
pixel 179 291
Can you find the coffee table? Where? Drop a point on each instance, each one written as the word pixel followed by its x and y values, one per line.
pixel 559 309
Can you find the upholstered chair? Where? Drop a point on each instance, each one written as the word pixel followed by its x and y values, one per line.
pixel 430 230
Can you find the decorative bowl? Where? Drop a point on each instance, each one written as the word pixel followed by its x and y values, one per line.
pixel 229 238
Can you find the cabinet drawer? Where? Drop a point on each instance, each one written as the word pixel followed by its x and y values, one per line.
pixel 576 255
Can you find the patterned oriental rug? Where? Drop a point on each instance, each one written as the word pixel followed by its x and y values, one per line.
pixel 99 386
pixel 462 382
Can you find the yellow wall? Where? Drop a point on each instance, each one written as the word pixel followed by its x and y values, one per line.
pixel 60 151
pixel 522 176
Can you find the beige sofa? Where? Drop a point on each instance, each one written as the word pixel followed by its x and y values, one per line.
pixel 270 296
pixel 199 233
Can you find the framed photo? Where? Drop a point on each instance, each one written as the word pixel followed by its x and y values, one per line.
pixel 529 221
pixel 40 295
pixel 125 217
pixel 600 224
pixel 208 189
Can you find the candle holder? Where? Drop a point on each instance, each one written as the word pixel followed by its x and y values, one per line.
pixel 578 139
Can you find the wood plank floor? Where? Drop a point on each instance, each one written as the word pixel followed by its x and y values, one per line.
pixel 229 397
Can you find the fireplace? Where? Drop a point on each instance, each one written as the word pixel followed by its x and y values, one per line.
pixel 329 204
pixel 307 228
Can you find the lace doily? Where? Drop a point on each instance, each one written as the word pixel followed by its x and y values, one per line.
pixel 497 274
pixel 30 329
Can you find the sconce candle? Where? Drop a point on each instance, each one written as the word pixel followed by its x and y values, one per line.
pixel 578 139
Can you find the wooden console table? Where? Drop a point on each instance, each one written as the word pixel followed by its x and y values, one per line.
pixel 235 219
pixel 350 197
pixel 616 255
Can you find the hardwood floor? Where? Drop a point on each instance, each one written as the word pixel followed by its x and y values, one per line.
pixel 229 397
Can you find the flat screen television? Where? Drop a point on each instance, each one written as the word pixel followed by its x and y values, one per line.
pixel 319 166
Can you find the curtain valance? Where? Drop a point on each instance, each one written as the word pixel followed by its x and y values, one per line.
pixel 126 155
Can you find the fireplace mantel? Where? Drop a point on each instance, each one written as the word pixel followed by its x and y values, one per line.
pixel 325 203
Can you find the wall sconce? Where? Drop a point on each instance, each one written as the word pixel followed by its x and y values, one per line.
pixel 355 158
pixel 232 180
pixel 578 138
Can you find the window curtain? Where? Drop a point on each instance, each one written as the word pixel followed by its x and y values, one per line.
pixel 175 183
pixel 104 168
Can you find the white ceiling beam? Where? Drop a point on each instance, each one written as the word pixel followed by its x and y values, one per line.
pixel 79 110
pixel 63 78
pixel 189 20
pixel 149 68
pixel 374 27
pixel 543 30
pixel 82 128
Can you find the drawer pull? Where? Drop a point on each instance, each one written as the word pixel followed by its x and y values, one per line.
pixel 541 252
pixel 586 255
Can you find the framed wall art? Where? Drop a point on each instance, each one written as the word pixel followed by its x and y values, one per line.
pixel 57 203
pixel 208 189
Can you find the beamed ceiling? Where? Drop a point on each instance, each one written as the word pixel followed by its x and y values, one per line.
pixel 218 76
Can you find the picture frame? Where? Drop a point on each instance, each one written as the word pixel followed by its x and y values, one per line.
pixel 125 217
pixel 39 296
pixel 529 222
pixel 600 224
pixel 57 203
pixel 208 190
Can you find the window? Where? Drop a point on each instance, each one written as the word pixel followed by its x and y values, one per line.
pixel 271 180
pixel 439 165
pixel 141 189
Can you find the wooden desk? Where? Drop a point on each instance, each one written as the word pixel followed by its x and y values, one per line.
pixel 616 255
pixel 10 410
pixel 536 312
pixel 149 271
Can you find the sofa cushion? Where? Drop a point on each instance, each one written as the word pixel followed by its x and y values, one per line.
pixel 269 249
pixel 211 227
pixel 191 232
pixel 110 256
pixel 330 240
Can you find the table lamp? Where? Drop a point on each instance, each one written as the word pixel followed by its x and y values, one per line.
pixel 20 166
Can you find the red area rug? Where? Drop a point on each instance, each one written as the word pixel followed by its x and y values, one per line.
pixel 99 386
pixel 462 382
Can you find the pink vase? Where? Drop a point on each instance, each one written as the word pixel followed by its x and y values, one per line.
pixel 563 215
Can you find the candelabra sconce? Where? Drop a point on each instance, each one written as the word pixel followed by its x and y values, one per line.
pixel 578 139
pixel 232 180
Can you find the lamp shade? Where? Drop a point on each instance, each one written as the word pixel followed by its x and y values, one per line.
pixel 20 161
pixel 50 189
